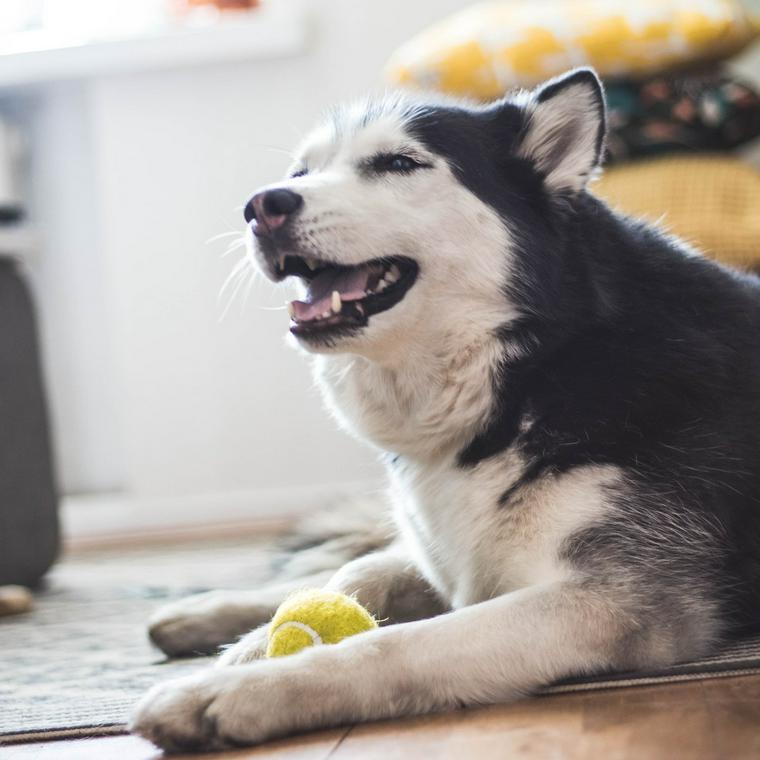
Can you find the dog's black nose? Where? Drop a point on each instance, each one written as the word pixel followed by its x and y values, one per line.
pixel 271 209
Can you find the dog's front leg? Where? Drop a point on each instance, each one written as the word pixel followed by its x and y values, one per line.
pixel 389 585
pixel 386 582
pixel 490 652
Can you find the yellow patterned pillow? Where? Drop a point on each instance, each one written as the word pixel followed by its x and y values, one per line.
pixel 492 47
pixel 711 201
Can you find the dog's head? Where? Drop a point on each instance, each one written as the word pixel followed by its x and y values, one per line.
pixel 402 216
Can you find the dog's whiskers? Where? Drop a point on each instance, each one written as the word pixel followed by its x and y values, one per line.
pixel 222 235
pixel 235 245
pixel 243 271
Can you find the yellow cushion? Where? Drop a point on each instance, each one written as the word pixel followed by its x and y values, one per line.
pixel 712 202
pixel 492 47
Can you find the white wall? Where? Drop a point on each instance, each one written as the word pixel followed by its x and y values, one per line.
pixel 69 278
pixel 151 393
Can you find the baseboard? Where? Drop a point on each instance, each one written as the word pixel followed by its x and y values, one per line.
pixel 93 519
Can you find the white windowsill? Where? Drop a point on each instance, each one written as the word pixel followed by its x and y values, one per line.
pixel 273 30
pixel 98 518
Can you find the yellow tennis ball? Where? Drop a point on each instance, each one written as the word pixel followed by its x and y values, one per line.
pixel 314 616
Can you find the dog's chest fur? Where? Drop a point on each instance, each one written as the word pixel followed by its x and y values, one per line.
pixel 468 545
pixel 424 409
pixel 471 547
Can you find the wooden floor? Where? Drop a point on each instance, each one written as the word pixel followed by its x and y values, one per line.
pixel 715 719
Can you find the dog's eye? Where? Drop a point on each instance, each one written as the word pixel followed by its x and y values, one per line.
pixel 302 172
pixel 401 164
pixel 395 162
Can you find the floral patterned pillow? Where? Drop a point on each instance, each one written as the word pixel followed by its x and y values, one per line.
pixel 696 111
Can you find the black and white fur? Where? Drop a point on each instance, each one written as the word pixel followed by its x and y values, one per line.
pixel 568 401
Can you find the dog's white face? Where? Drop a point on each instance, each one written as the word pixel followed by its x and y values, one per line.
pixel 390 232
pixel 394 220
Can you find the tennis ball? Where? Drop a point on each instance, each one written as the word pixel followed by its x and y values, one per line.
pixel 315 616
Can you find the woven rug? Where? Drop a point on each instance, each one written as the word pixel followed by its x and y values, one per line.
pixel 739 659
pixel 77 664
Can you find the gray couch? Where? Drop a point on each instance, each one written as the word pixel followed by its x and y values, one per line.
pixel 29 530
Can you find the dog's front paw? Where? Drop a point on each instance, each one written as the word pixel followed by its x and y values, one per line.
pixel 173 715
pixel 215 709
pixel 201 624
pixel 221 708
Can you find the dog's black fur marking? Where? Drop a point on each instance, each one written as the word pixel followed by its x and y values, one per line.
pixel 636 353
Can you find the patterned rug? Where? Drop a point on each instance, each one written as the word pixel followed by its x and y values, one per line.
pixel 77 663
pixel 739 659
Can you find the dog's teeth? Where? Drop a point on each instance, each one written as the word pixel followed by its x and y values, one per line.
pixel 393 274
pixel 336 301
pixel 360 308
pixel 326 314
pixel 311 264
pixel 281 261
pixel 291 309
pixel 381 286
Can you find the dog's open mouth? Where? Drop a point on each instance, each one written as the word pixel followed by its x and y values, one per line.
pixel 345 296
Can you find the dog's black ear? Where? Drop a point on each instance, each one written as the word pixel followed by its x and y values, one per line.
pixel 564 131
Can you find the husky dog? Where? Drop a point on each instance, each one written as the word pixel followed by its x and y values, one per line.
pixel 568 402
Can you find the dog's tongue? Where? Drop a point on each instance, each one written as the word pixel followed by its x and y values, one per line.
pixel 351 283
